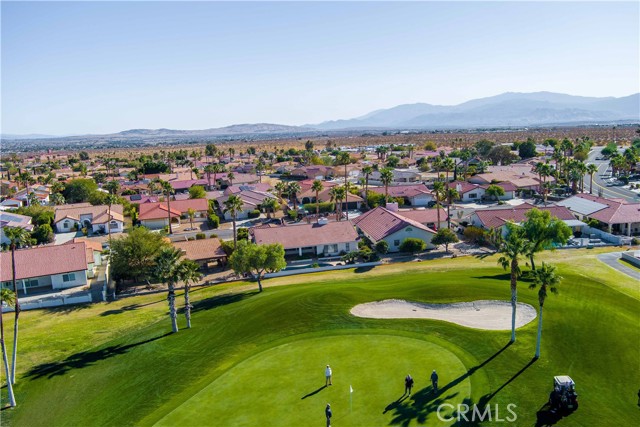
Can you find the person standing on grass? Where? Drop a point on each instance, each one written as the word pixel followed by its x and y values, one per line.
pixel 328 414
pixel 408 384
pixel 434 381
pixel 327 375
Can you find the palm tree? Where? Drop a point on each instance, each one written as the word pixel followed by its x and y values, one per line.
pixel 217 168
pixel 317 187
pixel 437 164
pixel 168 190
pixel 293 189
pixel 9 297
pixel 512 248
pixel 189 273
pixel 343 158
pixel 209 170
pixel 386 177
pixel 438 192
pixel 448 164
pixel 591 169
pixel 231 177
pixel 280 187
pixel 270 205
pixel 233 205
pixel 167 271
pixel 337 194
pixel 546 277
pixel 56 199
pixel 191 213
pixel 17 237
pixel 367 170
pixel 112 187
pixel 452 194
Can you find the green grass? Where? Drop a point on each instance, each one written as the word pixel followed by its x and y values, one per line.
pixel 628 264
pixel 251 357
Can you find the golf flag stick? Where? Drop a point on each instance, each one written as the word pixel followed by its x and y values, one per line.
pixel 350 398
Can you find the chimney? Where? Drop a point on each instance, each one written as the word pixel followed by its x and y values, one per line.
pixel 459 188
pixel 393 207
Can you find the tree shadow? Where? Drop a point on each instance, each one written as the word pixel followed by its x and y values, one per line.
pixel 314 392
pixel 130 307
pixel 221 300
pixel 505 276
pixel 84 359
pixel 67 309
pixel 364 269
pixel 426 402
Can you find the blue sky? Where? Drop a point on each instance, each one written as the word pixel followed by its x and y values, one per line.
pixel 81 67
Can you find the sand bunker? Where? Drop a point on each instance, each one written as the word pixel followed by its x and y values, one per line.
pixel 492 315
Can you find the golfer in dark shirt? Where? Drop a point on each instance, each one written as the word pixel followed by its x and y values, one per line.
pixel 328 413
pixel 408 384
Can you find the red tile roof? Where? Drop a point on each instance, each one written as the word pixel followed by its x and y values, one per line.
pixel 99 213
pixel 618 211
pixel 44 261
pixel 178 207
pixel 497 217
pixel 424 216
pixel 302 235
pixel 403 190
pixel 380 222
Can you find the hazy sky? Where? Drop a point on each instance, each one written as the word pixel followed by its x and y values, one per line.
pixel 72 67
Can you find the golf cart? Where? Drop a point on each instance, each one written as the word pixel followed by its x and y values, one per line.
pixel 564 396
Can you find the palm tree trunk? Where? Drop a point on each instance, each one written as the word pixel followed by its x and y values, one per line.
pixel 537 356
pixel 346 192
pixel 169 211
pixel 12 398
pixel 235 236
pixel 591 185
pixel 16 314
pixel 438 211
pixel 449 215
pixel 533 264
pixel 366 192
pixel 172 307
pixel 514 298
pixel 317 208
pixel 109 225
pixel 187 306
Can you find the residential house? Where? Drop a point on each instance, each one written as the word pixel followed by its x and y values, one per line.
pixel 400 176
pixel 313 172
pixel 45 268
pixel 12 220
pixel 155 215
pixel 204 252
pixel 251 200
pixel 498 216
pixel 384 224
pixel 425 216
pixel 316 239
pixel 94 218
pixel 412 195
pixel 93 252
pixel 618 216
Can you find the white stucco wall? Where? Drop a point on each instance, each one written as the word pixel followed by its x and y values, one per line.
pixel 407 232
pixel 57 281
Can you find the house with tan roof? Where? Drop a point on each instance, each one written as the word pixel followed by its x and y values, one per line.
pixel 95 218
pixel 12 220
pixel 251 200
pixel 45 268
pixel 384 224
pixel 413 195
pixel 425 216
pixel 497 217
pixel 155 215
pixel 203 251
pixel 317 239
pixel 618 216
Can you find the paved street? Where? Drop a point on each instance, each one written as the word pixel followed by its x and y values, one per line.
pixel 600 184
pixel 611 259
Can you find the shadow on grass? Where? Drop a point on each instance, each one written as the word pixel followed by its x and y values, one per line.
pixel 221 300
pixel 67 309
pixel 84 359
pixel 364 269
pixel 505 276
pixel 544 416
pixel 130 307
pixel 314 392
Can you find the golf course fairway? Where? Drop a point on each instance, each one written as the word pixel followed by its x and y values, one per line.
pixel 287 383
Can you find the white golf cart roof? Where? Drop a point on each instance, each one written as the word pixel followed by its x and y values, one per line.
pixel 563 380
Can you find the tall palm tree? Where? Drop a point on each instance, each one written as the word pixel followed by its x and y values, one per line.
pixel 168 190
pixel 231 176
pixel 217 168
pixel 448 164
pixel 17 237
pixel 209 170
pixel 281 188
pixel 317 187
pixel 451 194
pixel 337 194
pixel 270 205
pixel 112 187
pixel 233 205
pixel 293 188
pixel 436 164
pixel 189 273
pixel 167 270
pixel 591 169
pixel 343 158
pixel 512 248
pixel 7 296
pixel 438 192
pixel 386 177
pixel 547 278
pixel 191 213
pixel 367 170
pixel 56 199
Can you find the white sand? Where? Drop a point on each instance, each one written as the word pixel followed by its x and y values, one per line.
pixel 492 315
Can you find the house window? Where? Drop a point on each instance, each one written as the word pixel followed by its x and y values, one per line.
pixel 69 277
pixel 66 224
pixel 396 243
pixel 33 283
pixel 473 195
pixel 348 247
pixel 113 224
pixel 408 229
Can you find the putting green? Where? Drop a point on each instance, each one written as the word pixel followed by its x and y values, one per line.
pixel 285 385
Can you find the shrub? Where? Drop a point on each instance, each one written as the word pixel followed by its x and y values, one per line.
pixel 635 241
pixel 213 236
pixel 412 245
pixel 324 207
pixel 213 220
pixel 293 214
pixel 475 234
pixel 227 246
pixel 201 236
pixel 382 247
pixel 254 213
pixel 243 233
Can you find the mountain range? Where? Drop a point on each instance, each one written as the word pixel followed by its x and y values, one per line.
pixel 509 109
